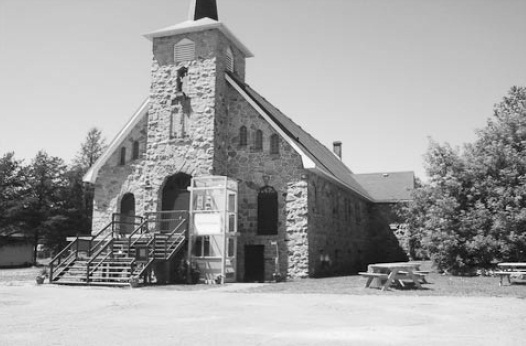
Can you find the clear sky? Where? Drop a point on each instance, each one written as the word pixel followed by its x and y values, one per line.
pixel 380 76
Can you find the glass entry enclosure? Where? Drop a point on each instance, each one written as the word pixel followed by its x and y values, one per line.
pixel 212 241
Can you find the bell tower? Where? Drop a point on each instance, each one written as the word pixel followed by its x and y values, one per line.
pixel 188 114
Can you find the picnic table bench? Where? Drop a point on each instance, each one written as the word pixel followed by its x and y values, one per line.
pixel 380 278
pixel 511 270
pixel 389 273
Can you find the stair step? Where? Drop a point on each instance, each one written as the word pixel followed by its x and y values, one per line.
pixel 91 283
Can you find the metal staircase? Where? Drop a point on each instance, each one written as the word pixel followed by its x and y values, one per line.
pixel 114 257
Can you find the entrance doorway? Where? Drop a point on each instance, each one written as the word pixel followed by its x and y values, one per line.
pixel 254 263
pixel 127 217
pixel 175 200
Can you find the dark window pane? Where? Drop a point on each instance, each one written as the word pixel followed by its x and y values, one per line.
pixel 267 211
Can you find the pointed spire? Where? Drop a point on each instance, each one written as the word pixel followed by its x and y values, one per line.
pixel 202 8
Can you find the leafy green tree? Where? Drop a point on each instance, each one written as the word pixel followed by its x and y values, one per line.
pixel 92 148
pixel 12 182
pixel 41 198
pixel 472 211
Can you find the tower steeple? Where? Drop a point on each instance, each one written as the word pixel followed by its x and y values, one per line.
pixel 202 9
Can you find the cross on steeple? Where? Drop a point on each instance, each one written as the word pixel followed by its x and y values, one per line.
pixel 202 9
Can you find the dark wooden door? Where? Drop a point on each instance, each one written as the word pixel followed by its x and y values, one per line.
pixel 127 217
pixel 254 263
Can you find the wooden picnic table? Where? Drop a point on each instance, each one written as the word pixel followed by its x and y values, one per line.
pixel 515 270
pixel 393 272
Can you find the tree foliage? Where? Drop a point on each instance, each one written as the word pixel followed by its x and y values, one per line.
pixel 12 181
pixel 92 148
pixel 472 211
pixel 47 200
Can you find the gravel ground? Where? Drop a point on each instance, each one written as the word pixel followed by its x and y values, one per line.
pixel 230 315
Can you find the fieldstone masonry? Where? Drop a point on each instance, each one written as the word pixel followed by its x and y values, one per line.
pixel 322 225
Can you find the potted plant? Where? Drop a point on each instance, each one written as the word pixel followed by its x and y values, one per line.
pixel 278 277
pixel 41 277
pixel 134 281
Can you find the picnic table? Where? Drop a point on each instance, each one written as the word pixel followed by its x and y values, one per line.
pixel 509 270
pixel 389 273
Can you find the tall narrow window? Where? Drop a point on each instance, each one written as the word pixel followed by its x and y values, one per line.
pixel 229 60
pixel 242 136
pixel 258 140
pixel 184 50
pixel 274 144
pixel 135 152
pixel 123 156
pixel 267 211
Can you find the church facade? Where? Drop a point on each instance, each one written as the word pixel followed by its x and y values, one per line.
pixel 301 211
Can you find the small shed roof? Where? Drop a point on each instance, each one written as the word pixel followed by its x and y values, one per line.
pixel 388 187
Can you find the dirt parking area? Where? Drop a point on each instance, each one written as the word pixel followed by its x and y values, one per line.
pixel 233 315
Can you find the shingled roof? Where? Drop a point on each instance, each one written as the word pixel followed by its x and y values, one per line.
pixel 388 187
pixel 325 160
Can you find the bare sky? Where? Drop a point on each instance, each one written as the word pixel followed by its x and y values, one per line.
pixel 380 76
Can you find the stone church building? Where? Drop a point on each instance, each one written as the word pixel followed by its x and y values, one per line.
pixel 301 211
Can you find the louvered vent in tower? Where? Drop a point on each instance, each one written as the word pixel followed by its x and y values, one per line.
pixel 229 60
pixel 184 50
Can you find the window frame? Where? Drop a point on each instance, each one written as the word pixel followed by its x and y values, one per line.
pixel 267 211
pixel 122 158
pixel 258 140
pixel 274 144
pixel 243 136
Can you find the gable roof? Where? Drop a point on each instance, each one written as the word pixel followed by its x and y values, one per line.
pixel 93 171
pixel 388 187
pixel 325 161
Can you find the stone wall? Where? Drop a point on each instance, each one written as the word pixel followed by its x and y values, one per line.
pixel 115 180
pixel 384 244
pixel 338 228
pixel 297 229
pixel 249 165
pixel 176 136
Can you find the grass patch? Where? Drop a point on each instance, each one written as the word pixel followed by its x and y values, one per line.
pixel 439 285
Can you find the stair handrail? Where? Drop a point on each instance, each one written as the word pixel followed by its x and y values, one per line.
pixel 145 268
pixel 180 234
pixel 104 247
pixel 59 256
pixel 92 248
pixel 117 219
pixel 140 228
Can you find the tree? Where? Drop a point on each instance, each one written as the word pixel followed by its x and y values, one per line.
pixel 472 211
pixel 12 182
pixel 92 148
pixel 41 197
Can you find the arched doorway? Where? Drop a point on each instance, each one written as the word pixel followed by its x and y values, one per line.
pixel 127 218
pixel 175 198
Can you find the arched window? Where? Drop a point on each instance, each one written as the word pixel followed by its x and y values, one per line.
pixel 127 214
pixel 229 60
pixel 258 140
pixel 267 211
pixel 274 144
pixel 184 50
pixel 135 151
pixel 242 136
pixel 122 161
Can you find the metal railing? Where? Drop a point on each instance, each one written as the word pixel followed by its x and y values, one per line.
pixel 165 221
pixel 63 259
pixel 103 245
pixel 124 224
pixel 163 230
